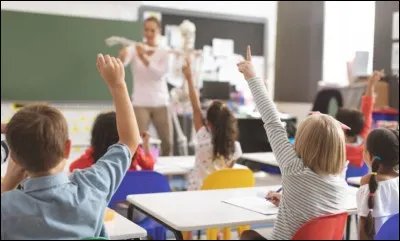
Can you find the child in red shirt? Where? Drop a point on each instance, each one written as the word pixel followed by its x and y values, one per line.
pixel 360 122
pixel 105 134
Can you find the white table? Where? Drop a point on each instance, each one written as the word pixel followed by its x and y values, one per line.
pixel 122 229
pixel 354 181
pixel 199 210
pixel 267 158
pixel 179 165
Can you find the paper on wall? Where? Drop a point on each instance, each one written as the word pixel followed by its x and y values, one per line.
pixel 223 47
pixel 395 26
pixel 395 57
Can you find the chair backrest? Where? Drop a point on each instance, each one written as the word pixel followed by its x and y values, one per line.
pixel 229 178
pixel 140 182
pixel 389 230
pixel 328 101
pixel 329 227
pixel 353 171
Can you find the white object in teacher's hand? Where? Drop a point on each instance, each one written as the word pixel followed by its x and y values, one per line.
pixel 114 40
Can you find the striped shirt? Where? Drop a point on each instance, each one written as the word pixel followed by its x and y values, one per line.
pixel 306 195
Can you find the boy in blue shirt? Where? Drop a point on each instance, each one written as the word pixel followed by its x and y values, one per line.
pixel 53 205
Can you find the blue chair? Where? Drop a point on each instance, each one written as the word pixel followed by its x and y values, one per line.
pixel 143 182
pixel 353 171
pixel 389 230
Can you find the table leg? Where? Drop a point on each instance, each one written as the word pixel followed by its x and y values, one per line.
pixel 178 234
pixel 348 227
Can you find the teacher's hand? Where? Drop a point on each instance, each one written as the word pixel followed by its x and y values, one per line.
pixel 140 49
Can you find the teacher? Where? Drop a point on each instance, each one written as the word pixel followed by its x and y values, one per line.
pixel 150 97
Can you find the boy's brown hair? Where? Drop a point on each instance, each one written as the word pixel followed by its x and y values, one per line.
pixel 37 136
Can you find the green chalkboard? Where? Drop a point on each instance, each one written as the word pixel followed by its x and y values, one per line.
pixel 53 58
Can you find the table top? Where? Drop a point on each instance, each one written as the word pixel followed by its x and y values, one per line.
pixel 171 165
pixel 200 210
pixel 354 181
pixel 179 165
pixel 261 157
pixel 121 228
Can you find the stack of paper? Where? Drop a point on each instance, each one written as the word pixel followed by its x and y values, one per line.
pixel 255 204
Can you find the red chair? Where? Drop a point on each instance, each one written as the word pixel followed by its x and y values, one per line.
pixel 329 227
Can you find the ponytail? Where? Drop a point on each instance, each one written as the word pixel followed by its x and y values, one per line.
pixel 223 129
pixel 373 186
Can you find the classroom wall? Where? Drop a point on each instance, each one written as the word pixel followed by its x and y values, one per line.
pixel 383 34
pixel 127 10
pixel 299 46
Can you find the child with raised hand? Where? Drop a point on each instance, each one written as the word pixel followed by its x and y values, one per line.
pixel 216 145
pixel 360 122
pixel 53 205
pixel 311 172
pixel 378 196
pixel 104 135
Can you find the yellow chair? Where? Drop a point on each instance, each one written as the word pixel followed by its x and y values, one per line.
pixel 225 179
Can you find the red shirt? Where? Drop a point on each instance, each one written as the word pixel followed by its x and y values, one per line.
pixel 355 153
pixel 145 161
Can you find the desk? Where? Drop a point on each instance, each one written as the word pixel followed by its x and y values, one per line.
pixel 267 158
pixel 199 210
pixel 121 229
pixel 168 166
pixel 179 165
pixel 354 181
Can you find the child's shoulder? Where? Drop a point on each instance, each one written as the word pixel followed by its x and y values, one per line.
pixel 365 179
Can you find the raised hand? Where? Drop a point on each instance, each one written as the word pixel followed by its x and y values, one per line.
pixel 246 67
pixel 111 70
pixel 375 77
pixel 373 80
pixel 187 69
pixel 140 49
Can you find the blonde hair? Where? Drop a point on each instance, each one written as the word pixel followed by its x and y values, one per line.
pixel 320 142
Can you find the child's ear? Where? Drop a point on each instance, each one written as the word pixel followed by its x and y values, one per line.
pixel 67 150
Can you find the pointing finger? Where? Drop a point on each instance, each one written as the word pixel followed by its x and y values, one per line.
pixel 248 54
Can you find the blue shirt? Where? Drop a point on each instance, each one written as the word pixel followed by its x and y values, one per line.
pixel 62 206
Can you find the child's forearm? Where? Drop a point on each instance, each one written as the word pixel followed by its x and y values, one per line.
pixel 194 99
pixel 370 90
pixel 127 127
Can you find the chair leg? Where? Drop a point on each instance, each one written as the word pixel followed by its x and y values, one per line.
pixel 212 234
pixel 227 234
pixel 187 235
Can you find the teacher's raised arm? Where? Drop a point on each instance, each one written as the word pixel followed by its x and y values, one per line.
pixel 150 97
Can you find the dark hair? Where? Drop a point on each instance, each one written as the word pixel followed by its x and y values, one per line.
pixel 37 137
pixel 155 20
pixel 104 134
pixel 383 146
pixel 353 119
pixel 224 129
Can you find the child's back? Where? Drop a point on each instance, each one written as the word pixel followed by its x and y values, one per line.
pixel 216 145
pixel 52 205
pixel 62 207
pixel 378 196
pixel 359 122
pixel 311 181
